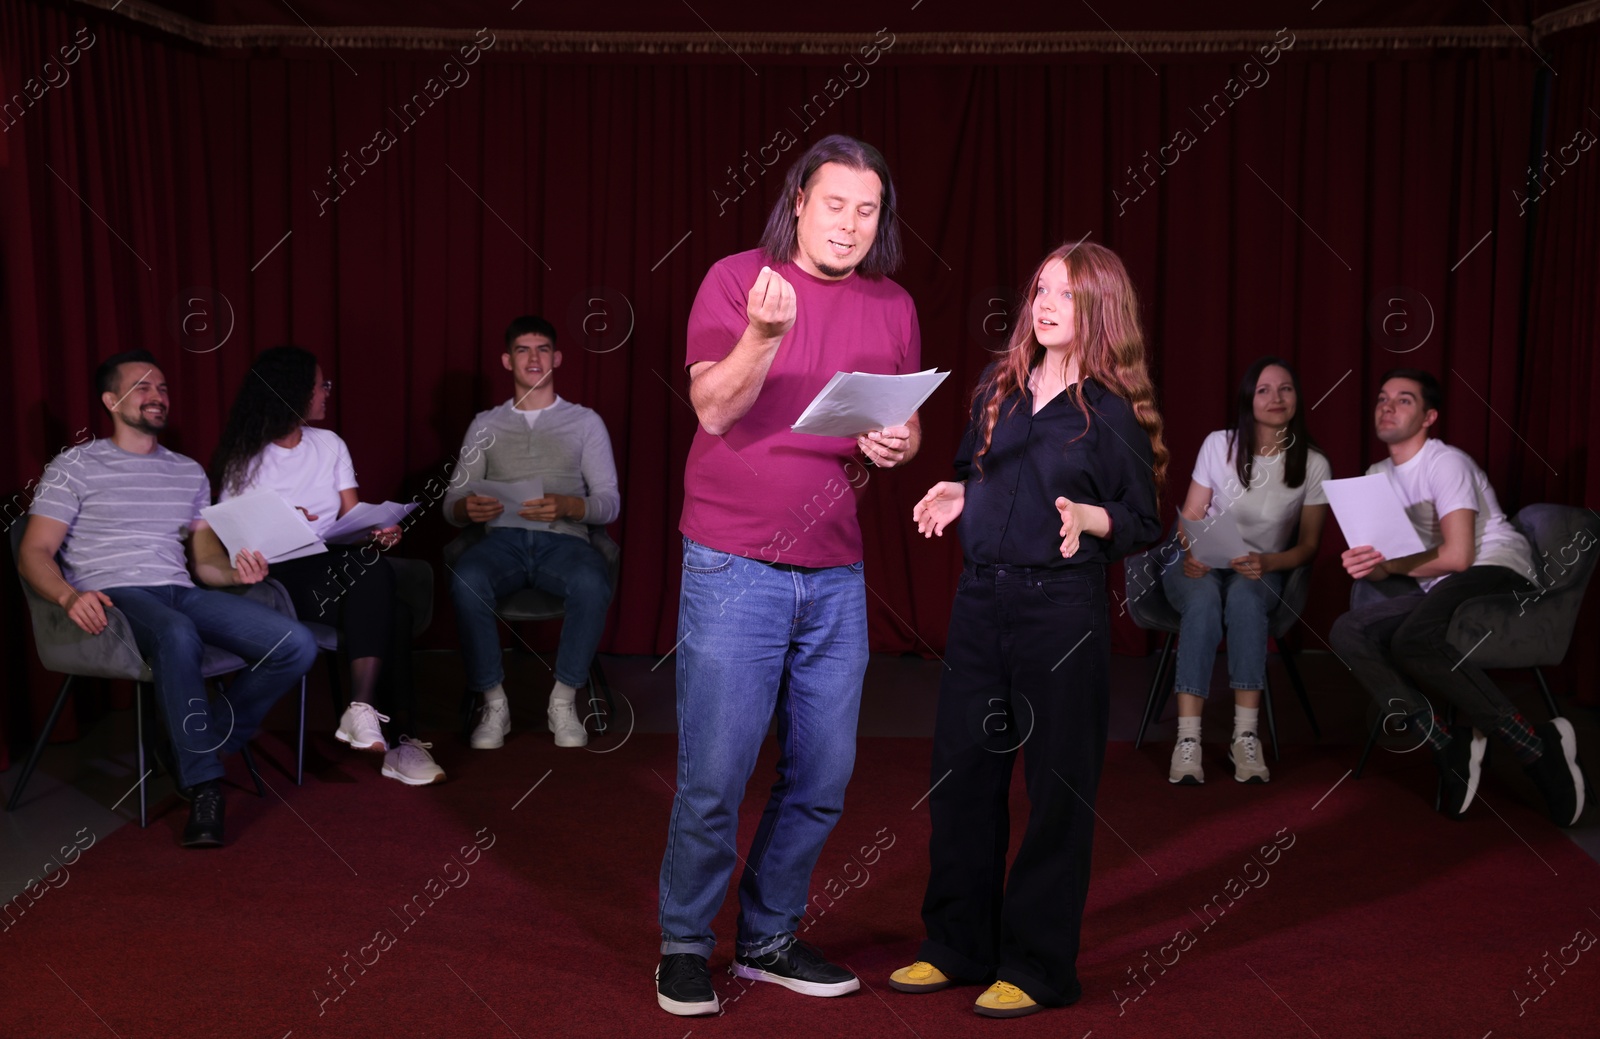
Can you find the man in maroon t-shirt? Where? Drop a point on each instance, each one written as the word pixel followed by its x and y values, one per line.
pixel 773 609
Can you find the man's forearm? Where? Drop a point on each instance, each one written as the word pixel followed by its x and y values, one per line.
pixel 726 391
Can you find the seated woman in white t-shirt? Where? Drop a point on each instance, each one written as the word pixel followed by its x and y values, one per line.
pixel 1267 474
pixel 267 445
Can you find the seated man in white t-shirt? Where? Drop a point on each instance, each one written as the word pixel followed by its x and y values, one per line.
pixel 1397 647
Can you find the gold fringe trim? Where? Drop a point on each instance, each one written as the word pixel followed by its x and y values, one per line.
pixel 732 44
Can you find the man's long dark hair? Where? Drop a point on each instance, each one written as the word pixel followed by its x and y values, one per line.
pixel 276 393
pixel 1242 438
pixel 781 238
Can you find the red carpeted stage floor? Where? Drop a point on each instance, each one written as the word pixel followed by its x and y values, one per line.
pixel 1319 905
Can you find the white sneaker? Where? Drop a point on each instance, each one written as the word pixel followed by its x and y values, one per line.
pixel 1186 764
pixel 411 763
pixel 494 721
pixel 1245 753
pixel 358 726
pixel 563 718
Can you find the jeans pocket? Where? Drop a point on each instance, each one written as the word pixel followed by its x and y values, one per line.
pixel 698 559
pixel 1067 591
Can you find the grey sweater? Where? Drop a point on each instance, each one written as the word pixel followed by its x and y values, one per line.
pixel 567 447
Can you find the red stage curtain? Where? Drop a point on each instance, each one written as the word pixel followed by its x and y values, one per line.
pixel 1553 457
pixel 146 203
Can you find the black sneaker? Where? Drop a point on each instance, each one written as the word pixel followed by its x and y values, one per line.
pixel 800 968
pixel 683 985
pixel 205 816
pixel 1556 773
pixel 1460 769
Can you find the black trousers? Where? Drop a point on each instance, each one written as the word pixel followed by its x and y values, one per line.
pixel 1397 648
pixel 352 588
pixel 1028 671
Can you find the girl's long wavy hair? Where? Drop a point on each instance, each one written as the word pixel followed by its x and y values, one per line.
pixel 1107 340
pixel 274 396
pixel 1300 444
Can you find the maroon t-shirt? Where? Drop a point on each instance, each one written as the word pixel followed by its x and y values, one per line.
pixel 762 491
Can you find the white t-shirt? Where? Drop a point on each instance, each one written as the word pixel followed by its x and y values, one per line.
pixel 1269 508
pixel 309 475
pixel 1438 480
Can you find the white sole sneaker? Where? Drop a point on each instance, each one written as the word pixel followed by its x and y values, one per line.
pixel 1569 752
pixel 393 773
pixel 345 737
pixel 805 988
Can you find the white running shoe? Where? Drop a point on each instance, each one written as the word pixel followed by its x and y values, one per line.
pixel 1245 753
pixel 411 763
pixel 1186 764
pixel 358 726
pixel 494 721
pixel 563 718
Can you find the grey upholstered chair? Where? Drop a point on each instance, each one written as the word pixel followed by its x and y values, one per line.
pixel 1506 632
pixel 68 650
pixel 413 580
pixel 531 604
pixel 1147 604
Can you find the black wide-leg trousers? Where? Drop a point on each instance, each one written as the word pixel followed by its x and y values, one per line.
pixel 1028 671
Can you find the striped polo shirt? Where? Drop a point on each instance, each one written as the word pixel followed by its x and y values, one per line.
pixel 127 515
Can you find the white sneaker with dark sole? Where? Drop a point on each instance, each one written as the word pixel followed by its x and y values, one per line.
pixel 1245 754
pixel 1185 768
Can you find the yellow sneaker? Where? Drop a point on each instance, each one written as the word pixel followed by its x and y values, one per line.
pixel 1003 999
pixel 921 976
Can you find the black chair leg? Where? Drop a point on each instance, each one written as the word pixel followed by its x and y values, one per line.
pixel 1272 721
pixel 300 740
pixel 255 774
pixel 38 746
pixel 598 684
pixel 1290 666
pixel 1544 687
pixel 1150 707
pixel 138 726
pixel 1372 741
pixel 337 687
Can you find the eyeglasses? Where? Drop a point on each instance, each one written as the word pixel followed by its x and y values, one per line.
pixel 327 385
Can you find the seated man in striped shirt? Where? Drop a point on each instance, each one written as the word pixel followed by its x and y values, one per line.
pixel 118 512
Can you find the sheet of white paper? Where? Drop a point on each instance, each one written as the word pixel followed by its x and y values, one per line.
pixel 856 402
pixel 263 521
pixel 1216 541
pixel 511 495
pixel 357 524
pixel 1370 513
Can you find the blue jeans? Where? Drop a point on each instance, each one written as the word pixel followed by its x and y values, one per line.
pixel 1221 598
pixel 759 639
pixel 171 625
pixel 510 559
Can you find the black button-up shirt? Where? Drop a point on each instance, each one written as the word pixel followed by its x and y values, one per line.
pixel 1010 514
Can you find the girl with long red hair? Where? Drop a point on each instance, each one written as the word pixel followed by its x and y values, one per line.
pixel 1056 477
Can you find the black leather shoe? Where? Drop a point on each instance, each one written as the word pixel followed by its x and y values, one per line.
pixel 800 968
pixel 683 985
pixel 205 817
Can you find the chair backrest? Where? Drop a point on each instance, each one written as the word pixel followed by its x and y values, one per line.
pixel 1146 602
pixel 64 647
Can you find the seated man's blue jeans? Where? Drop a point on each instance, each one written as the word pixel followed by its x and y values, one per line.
pixel 1210 602
pixel 172 625
pixel 758 639
pixel 509 559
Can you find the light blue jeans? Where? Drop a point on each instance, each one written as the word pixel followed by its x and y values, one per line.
pixel 759 640
pixel 509 559
pixel 1221 600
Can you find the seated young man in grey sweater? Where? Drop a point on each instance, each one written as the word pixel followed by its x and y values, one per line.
pixel 544 541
